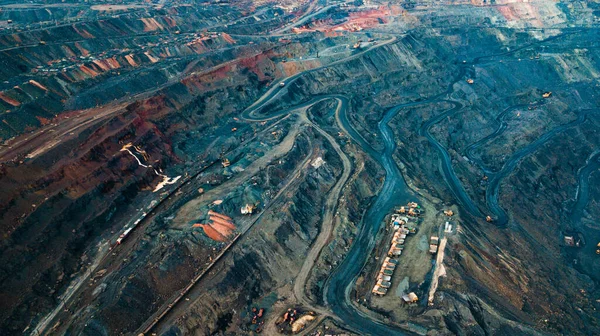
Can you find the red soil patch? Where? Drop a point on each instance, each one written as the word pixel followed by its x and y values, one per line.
pixel 214 213
pixel 356 21
pixel 9 100
pixel 88 71
pixel 508 13
pixel 43 121
pixel 38 85
pixel 130 60
pixel 221 227
pixel 84 33
pixel 170 21
pixel 223 222
pixel 81 49
pixel 228 38
pixel 211 232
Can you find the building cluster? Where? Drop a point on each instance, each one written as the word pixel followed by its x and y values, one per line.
pixel 403 223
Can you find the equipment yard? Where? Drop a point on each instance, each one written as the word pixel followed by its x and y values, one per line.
pixel 415 269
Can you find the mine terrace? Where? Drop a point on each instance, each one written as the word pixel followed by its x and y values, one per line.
pixel 220 167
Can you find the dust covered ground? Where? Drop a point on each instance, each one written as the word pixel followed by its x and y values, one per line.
pixel 207 168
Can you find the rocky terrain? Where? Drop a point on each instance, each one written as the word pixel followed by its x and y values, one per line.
pixel 230 168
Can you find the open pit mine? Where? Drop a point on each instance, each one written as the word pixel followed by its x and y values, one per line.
pixel 299 167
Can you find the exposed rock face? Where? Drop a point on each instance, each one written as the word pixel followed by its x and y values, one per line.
pixel 79 197
pixel 148 115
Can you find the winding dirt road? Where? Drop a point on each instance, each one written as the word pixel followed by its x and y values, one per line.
pixel 328 220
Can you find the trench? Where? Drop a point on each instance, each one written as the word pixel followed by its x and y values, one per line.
pixel 394 191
